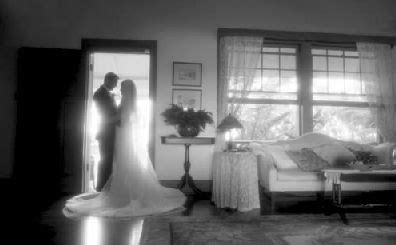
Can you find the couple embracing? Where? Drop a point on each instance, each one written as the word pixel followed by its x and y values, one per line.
pixel 127 183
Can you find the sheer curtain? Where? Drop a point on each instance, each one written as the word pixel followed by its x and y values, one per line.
pixel 378 69
pixel 239 56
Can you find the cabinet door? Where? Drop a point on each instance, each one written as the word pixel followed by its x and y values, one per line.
pixel 50 92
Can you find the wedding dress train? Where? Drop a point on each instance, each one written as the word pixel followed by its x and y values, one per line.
pixel 133 189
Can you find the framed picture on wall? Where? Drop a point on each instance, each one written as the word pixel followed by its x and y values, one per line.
pixel 187 74
pixel 190 98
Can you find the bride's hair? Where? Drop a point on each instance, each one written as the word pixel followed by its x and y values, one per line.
pixel 128 96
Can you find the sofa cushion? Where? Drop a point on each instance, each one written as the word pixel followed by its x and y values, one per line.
pixel 335 154
pixel 309 140
pixel 273 154
pixel 282 159
pixel 308 160
pixel 298 175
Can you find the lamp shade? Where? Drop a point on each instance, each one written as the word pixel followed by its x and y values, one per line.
pixel 229 122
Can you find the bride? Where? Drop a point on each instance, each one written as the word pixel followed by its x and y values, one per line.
pixel 133 189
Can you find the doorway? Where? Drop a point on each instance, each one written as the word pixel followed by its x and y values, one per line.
pixel 130 62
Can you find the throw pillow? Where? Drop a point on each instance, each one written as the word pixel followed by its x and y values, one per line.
pixel 308 160
pixel 384 153
pixel 366 157
pixel 335 154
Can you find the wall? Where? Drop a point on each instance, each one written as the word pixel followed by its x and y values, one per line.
pixel 185 31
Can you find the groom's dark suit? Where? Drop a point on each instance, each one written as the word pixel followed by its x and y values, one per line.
pixel 106 133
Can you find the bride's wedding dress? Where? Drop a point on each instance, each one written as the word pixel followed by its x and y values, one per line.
pixel 133 189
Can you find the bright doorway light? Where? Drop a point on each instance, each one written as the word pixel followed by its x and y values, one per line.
pixel 92 231
pixel 134 66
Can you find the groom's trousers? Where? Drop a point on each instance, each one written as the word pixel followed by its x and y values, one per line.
pixel 105 168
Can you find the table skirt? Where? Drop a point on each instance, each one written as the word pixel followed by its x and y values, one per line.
pixel 235 181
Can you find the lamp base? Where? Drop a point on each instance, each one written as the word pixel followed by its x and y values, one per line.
pixel 236 147
pixel 231 146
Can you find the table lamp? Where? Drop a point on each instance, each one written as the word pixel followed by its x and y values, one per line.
pixel 227 124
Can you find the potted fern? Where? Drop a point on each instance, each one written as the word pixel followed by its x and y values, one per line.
pixel 188 122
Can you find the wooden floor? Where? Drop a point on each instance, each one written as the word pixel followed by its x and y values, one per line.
pixel 26 223
pixel 46 225
pixel 49 226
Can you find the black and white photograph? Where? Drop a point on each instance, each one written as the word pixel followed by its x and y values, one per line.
pixel 198 122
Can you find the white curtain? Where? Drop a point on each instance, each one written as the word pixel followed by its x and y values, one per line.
pixel 378 69
pixel 238 58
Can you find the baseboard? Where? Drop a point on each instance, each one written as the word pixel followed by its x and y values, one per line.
pixel 203 185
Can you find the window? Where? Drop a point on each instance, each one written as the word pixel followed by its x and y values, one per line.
pixel 336 75
pixel 340 97
pixel 282 90
pixel 266 104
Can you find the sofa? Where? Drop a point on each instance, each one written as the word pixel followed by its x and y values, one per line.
pixel 282 177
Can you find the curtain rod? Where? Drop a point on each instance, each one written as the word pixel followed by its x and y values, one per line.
pixel 310 41
pixel 312 37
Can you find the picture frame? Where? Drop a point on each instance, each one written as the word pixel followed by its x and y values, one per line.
pixel 187 74
pixel 187 98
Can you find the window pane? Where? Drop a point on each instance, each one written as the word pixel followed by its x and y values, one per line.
pixel 345 123
pixel 343 80
pixel 319 63
pixel 319 51
pixel 368 85
pixel 256 81
pixel 352 53
pixel 320 84
pixel 352 83
pixel 271 95
pixel 336 64
pixel 352 65
pixel 288 62
pixel 270 61
pixel 253 60
pixel 236 83
pixel 270 50
pixel 340 97
pixel 335 52
pixel 288 50
pixel 288 81
pixel 336 82
pixel 271 80
pixel 238 60
pixel 268 122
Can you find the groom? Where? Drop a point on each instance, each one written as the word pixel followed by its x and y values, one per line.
pixel 107 109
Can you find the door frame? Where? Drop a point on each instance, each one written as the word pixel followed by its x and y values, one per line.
pixel 89 46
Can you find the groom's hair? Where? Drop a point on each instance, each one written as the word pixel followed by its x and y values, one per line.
pixel 109 76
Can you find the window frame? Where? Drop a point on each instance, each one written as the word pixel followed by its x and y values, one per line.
pixel 304 43
pixel 271 101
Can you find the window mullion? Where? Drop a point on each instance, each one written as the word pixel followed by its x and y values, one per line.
pixel 305 93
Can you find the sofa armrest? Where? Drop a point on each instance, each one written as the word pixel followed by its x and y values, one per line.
pixel 384 153
pixel 265 166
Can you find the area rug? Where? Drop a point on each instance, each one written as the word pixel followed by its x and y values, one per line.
pixel 287 230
